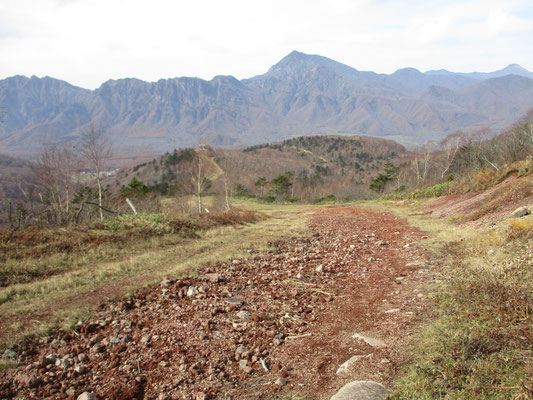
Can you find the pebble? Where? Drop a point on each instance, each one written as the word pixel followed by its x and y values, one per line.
pixel 213 278
pixel 370 341
pixel 166 282
pixel 244 315
pixel 234 301
pixel 145 339
pixel 281 381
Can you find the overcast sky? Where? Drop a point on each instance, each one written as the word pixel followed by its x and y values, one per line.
pixel 87 42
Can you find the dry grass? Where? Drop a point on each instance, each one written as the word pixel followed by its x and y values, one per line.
pixel 83 280
pixel 480 345
pixel 521 228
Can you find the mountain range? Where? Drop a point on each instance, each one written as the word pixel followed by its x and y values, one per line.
pixel 300 95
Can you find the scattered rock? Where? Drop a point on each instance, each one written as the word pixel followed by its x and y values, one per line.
pixel 99 348
pixel 243 364
pixel 319 269
pixel 145 339
pixel 362 390
pixel 240 351
pixel 192 291
pixel 80 369
pixel 370 341
pixel 49 359
pixel 64 362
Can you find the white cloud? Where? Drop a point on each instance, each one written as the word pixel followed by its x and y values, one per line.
pixel 89 41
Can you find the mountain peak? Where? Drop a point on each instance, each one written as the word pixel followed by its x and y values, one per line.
pixel 297 62
pixel 514 68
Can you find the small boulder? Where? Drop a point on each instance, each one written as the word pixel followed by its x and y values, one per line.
pixel 87 396
pixel 30 381
pixel 212 277
pixel 362 390
pixel 9 354
pixel 520 212
pixel 243 364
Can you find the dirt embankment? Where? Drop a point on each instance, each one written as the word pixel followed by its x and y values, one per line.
pixel 276 325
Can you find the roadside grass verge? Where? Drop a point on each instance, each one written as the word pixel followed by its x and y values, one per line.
pixel 480 344
pixel 92 276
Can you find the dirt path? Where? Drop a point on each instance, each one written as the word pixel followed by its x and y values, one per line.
pixel 276 326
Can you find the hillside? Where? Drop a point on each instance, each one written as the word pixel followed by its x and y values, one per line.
pixel 317 166
pixel 300 95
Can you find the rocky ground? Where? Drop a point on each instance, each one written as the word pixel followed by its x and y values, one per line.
pixel 298 322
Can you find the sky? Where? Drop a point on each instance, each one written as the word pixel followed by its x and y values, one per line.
pixel 87 42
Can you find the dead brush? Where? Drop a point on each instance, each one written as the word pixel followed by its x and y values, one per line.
pixel 520 229
pixel 482 346
pixel 233 217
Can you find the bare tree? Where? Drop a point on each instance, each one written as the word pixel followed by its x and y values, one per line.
pixel 54 175
pixel 450 145
pixel 421 162
pixel 96 150
pixel 200 180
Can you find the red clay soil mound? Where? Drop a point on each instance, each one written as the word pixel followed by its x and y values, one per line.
pixel 492 205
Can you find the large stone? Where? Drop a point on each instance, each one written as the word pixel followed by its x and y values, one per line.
pixel 362 390
pixel 87 396
pixel 520 212
pixel 369 340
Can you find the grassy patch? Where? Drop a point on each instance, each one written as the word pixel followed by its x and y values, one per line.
pixel 480 345
pixel 437 190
